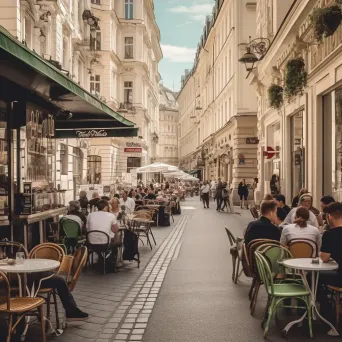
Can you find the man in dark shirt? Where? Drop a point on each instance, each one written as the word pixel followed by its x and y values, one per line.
pixel 264 227
pixel 325 201
pixel 151 195
pixel 281 202
pixel 94 200
pixel 331 248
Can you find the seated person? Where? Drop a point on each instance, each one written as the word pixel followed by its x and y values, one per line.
pixel 280 199
pixel 281 214
pixel 264 227
pixel 128 202
pixel 325 201
pixel 300 229
pixel 151 195
pixel 94 200
pixel 75 214
pixel 331 248
pixel 306 202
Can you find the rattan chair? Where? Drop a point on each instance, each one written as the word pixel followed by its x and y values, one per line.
pixel 233 251
pixel 19 307
pixel 303 248
pixel 50 251
pixel 143 227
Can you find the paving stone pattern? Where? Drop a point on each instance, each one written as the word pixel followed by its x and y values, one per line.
pixel 119 304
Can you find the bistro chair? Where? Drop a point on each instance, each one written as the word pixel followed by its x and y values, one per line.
pixel 11 248
pixel 277 293
pixel 336 297
pixel 72 234
pixel 102 250
pixel 143 227
pixel 233 251
pixel 303 248
pixel 50 251
pixel 254 212
pixel 19 307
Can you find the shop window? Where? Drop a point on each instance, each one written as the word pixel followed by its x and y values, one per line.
pixel 133 163
pixel 129 8
pixel 298 153
pixel 94 169
pixel 128 47
pixel 95 84
pixel 128 92
pixel 77 162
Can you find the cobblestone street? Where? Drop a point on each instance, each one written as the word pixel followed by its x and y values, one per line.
pixel 182 292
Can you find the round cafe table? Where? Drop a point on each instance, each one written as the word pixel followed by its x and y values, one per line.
pixel 27 267
pixel 305 265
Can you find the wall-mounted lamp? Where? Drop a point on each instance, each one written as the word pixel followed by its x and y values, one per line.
pixel 256 49
pixel 42 37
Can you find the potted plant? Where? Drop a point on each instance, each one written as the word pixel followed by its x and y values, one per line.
pixel 275 96
pixel 326 20
pixel 295 77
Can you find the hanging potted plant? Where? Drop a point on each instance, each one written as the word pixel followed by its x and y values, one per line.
pixel 326 20
pixel 275 96
pixel 295 77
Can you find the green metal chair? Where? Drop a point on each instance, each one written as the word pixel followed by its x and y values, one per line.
pixel 72 234
pixel 277 293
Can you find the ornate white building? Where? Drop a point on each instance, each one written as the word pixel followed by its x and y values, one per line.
pixel 168 126
pixel 111 48
pixel 217 106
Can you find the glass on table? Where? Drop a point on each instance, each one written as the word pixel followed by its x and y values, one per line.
pixel 20 257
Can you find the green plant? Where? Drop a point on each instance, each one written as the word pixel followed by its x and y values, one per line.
pixel 275 96
pixel 295 77
pixel 326 20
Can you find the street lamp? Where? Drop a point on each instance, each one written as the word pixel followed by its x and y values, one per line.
pixel 42 37
pixel 256 49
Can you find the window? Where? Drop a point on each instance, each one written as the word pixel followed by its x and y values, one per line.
pixel 95 40
pixel 128 92
pixel 64 159
pixel 129 8
pixel 95 84
pixel 96 2
pixel 94 169
pixel 129 48
pixel 133 163
pixel 77 161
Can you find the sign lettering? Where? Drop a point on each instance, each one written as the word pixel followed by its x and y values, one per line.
pixel 133 149
pixel 133 144
pixel 91 133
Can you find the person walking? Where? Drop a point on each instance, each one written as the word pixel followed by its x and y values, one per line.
pixel 243 193
pixel 218 195
pixel 225 197
pixel 205 188
pixel 274 185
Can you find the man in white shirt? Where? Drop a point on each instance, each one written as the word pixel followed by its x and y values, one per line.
pixel 104 221
pixel 128 202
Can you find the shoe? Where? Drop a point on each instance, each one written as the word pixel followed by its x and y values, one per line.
pixel 76 315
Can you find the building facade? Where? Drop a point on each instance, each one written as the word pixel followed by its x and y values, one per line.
pixel 168 126
pixel 111 48
pixel 217 106
pixel 305 131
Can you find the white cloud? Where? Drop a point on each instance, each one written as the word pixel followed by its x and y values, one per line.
pixel 178 54
pixel 196 12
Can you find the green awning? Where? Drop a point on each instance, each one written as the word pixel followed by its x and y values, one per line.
pixel 29 70
pixel 118 132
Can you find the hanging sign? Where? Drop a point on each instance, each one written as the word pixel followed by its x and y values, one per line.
pixel 269 153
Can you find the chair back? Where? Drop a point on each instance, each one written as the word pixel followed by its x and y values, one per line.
pixel 72 229
pixel 79 261
pixel 231 237
pixel 96 236
pixel 47 250
pixel 11 248
pixel 5 291
pixel 264 272
pixel 254 212
pixel 303 248
pixel 54 232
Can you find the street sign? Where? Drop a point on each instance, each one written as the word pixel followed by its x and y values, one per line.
pixel 269 153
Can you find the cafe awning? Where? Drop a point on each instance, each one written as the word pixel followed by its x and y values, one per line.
pixel 27 69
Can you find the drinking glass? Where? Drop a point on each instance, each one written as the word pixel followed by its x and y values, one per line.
pixel 20 257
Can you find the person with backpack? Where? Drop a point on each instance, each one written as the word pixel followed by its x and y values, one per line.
pixel 225 197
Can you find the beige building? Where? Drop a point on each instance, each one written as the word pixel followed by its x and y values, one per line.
pixel 306 130
pixel 168 126
pixel 217 106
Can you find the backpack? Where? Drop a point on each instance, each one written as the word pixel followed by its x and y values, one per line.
pixel 130 243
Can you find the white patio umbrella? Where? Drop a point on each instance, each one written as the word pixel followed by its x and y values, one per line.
pixel 189 178
pixel 157 167
pixel 176 174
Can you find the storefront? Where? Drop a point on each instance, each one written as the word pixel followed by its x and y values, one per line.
pixel 38 104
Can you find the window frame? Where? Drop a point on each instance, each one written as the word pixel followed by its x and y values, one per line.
pixel 129 48
pixel 129 9
pixel 95 84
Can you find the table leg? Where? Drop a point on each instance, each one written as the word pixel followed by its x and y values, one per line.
pixel 26 235
pixel 41 232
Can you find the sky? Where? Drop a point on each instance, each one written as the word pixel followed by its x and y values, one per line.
pixel 181 25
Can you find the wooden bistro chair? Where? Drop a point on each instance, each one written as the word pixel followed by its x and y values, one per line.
pixel 303 248
pixel 19 307
pixel 50 251
pixel 233 251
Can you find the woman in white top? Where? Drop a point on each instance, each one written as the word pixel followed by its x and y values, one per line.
pixel 300 229
pixel 205 188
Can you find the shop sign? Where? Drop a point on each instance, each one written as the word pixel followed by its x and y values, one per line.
pixel 252 141
pixel 93 133
pixel 133 149
pixel 133 144
pixel 269 153
pixel 242 159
